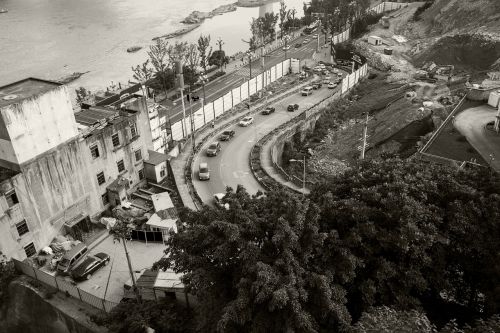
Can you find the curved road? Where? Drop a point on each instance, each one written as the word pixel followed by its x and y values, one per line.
pixel 471 123
pixel 231 166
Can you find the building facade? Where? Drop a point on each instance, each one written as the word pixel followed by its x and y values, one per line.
pixel 57 167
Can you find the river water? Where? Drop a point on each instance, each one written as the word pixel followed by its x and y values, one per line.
pixel 52 38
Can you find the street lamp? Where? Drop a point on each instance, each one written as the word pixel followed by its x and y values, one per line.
pixel 303 175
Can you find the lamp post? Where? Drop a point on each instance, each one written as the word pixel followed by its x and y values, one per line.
pixel 303 174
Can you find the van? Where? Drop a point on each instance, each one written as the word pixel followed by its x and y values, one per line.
pixel 203 172
pixel 71 258
pixel 307 91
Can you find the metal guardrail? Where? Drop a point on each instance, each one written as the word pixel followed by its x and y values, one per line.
pixel 64 286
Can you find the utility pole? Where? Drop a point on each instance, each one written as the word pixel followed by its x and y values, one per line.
pixel 180 77
pixel 365 144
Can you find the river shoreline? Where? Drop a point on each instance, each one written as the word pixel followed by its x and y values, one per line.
pixel 197 17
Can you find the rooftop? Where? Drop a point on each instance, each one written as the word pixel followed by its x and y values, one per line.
pixel 18 91
pixel 95 115
pixel 156 158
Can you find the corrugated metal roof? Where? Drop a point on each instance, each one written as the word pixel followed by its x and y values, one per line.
pixel 94 115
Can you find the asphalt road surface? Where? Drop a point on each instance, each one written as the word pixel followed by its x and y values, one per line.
pixel 231 165
pixel 471 123
pixel 223 85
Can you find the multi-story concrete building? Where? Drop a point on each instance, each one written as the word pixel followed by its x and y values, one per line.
pixel 58 168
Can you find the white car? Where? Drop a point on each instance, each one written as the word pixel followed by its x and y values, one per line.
pixel 327 77
pixel 332 85
pixel 285 48
pixel 246 121
pixel 326 81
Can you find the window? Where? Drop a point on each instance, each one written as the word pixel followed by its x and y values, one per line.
pixel 22 228
pixel 30 250
pixel 138 155
pixel 100 178
pixel 141 174
pixel 120 165
pixel 11 198
pixel 116 140
pixel 133 130
pixel 162 173
pixel 94 150
pixel 105 199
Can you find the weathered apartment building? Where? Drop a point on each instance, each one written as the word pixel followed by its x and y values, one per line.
pixel 58 167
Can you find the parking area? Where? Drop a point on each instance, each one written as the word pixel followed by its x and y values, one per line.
pixel 107 282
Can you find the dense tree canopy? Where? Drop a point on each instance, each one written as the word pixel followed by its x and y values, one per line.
pixel 403 234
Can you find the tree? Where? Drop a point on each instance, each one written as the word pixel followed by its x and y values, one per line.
pixel 7 274
pixel 143 72
pixel 284 14
pixel 178 52
pixel 82 95
pixel 159 60
pixel 385 319
pixel 269 21
pixel 192 62
pixel 204 51
pixel 401 232
pixel 250 266
pixel 218 58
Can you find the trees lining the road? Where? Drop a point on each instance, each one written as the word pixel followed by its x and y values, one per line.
pixel 386 233
pixel 204 50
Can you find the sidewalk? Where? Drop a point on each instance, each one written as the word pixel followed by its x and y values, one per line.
pixel 179 163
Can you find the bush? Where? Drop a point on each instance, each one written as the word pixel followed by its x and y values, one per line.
pixel 421 9
pixel 7 274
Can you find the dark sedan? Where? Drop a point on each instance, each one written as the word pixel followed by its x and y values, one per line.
pixel 89 266
pixel 268 110
pixel 292 107
pixel 226 135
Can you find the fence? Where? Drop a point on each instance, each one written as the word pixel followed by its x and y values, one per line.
pixel 385 6
pixel 64 286
pixel 212 110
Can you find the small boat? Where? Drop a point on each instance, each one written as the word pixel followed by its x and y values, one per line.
pixel 2 11
pixel 134 49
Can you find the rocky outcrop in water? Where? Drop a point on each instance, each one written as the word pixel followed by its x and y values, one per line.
pixel 197 17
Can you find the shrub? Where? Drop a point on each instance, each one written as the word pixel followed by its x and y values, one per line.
pixel 421 9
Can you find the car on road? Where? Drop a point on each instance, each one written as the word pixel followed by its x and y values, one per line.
pixel 213 149
pixel 326 81
pixel 203 171
pixel 315 36
pixel 285 48
pixel 305 41
pixel 332 85
pixel 307 91
pixel 246 121
pixel 316 85
pixel 226 135
pixel 89 266
pixel 268 110
pixel 298 45
pixel 195 98
pixel 292 107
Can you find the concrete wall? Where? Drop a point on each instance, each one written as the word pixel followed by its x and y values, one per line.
pixel 36 125
pixel 153 172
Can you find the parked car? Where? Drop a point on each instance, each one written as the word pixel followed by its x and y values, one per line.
pixel 71 258
pixel 195 98
pixel 307 91
pixel 298 45
pixel 246 121
pixel 326 81
pixel 306 68
pixel 316 85
pixel 203 172
pixel 285 48
pixel 332 85
pixel 213 149
pixel 292 107
pixel 89 266
pixel 226 135
pixel 268 110
pixel 327 77
pixel 305 41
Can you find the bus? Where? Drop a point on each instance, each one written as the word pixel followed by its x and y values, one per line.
pixel 311 28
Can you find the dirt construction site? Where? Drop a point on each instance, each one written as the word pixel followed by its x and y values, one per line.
pixel 412 87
